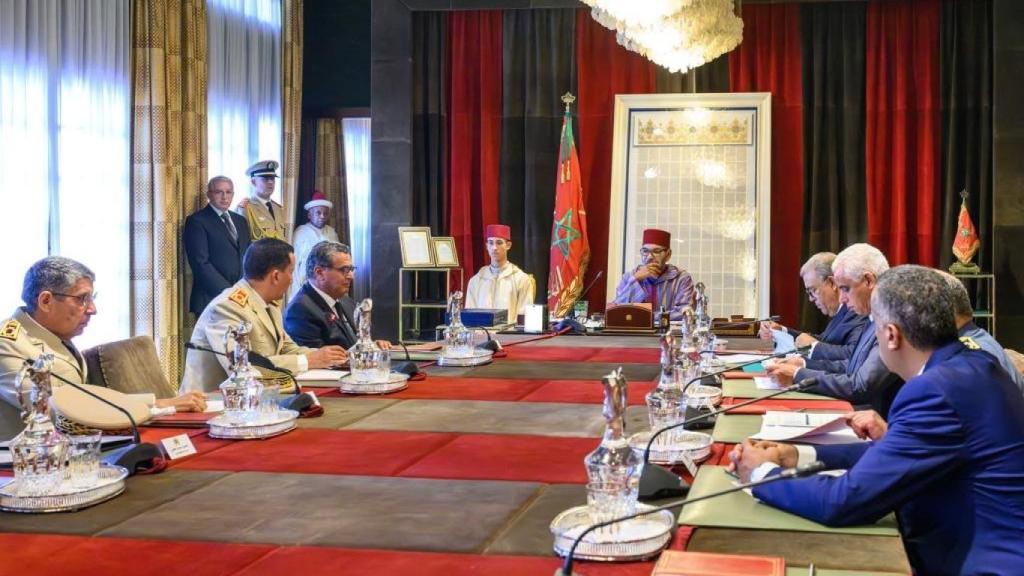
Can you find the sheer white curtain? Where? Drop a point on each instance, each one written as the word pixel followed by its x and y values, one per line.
pixel 355 137
pixel 65 147
pixel 244 87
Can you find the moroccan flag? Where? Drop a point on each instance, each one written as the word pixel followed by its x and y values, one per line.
pixel 570 249
pixel 966 243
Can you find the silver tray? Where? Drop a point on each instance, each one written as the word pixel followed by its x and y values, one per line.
pixel 637 539
pixel 699 395
pixel 283 421
pixel 478 358
pixel 396 381
pixel 67 498
pixel 696 444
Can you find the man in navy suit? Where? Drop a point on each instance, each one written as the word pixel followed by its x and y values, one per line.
pixel 215 240
pixel 861 378
pixel 322 312
pixel 950 463
pixel 839 339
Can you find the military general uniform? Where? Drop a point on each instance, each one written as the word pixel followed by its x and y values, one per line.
pixel 205 371
pixel 22 338
pixel 266 218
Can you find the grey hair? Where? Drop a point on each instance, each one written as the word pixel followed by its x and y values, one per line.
pixel 322 254
pixel 54 274
pixel 213 182
pixel 917 300
pixel 958 292
pixel 820 264
pixel 859 259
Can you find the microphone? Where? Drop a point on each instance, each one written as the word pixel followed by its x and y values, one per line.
pixel 491 344
pixel 657 482
pixel 256 359
pixel 130 456
pixel 592 282
pixel 787 474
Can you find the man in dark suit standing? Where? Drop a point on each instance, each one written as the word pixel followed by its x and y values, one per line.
pixel 215 240
pixel 321 313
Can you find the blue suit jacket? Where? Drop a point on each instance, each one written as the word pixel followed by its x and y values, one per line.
pixel 951 466
pixel 861 380
pixel 840 337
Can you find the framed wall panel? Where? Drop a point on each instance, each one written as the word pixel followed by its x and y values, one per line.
pixel 698 166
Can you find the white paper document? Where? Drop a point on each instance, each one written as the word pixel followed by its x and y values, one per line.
pixel 784 342
pixel 214 406
pixel 741 358
pixel 320 375
pixel 767 383
pixel 806 427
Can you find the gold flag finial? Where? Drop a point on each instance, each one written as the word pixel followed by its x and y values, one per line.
pixel 568 98
pixel 964 194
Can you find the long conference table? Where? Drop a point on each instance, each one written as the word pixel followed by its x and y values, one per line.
pixel 460 473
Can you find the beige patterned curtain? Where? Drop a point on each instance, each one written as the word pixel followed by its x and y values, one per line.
pixel 328 172
pixel 291 99
pixel 168 165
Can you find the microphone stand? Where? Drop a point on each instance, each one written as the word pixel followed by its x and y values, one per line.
pixel 728 325
pixel 657 482
pixel 789 473
pixel 129 456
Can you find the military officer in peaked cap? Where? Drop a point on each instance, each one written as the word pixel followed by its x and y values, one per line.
pixel 265 216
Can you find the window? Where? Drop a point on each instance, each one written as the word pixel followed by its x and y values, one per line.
pixel 65 148
pixel 244 87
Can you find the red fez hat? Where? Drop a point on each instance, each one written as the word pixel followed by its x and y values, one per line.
pixel 659 237
pixel 498 231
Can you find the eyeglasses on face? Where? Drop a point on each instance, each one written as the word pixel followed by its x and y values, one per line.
pixel 345 269
pixel 84 300
pixel 650 251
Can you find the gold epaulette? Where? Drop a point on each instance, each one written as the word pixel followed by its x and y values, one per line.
pixel 970 343
pixel 10 330
pixel 239 297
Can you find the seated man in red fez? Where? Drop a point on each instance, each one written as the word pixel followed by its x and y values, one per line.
pixel 655 280
pixel 501 284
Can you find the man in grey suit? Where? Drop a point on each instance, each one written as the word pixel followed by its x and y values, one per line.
pixel 862 379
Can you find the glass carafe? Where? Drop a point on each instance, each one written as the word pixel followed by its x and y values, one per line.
pixel 613 468
pixel 38 453
pixel 458 340
pixel 666 404
pixel 370 364
pixel 242 391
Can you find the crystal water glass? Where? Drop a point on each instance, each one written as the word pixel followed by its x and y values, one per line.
pixel 39 467
pixel 83 469
pixel 270 399
pixel 242 401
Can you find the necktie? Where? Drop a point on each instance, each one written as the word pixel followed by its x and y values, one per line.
pixel 270 208
pixel 230 225
pixel 277 335
pixel 350 332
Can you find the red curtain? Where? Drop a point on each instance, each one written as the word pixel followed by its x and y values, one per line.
pixel 604 69
pixel 474 124
pixel 903 133
pixel 769 60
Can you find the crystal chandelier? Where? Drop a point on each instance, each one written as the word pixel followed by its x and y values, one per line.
pixel 677 34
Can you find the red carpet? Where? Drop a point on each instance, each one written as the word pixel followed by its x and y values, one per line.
pixel 76 555
pixel 319 451
pixel 200 439
pixel 507 457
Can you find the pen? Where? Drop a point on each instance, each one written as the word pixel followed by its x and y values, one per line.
pixel 810 570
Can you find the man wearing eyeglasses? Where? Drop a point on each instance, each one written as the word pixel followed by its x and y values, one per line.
pixel 655 281
pixel 322 311
pixel 59 302
pixel 839 339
